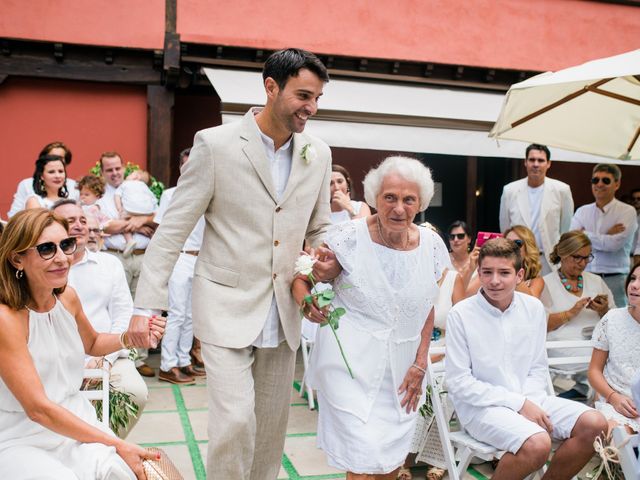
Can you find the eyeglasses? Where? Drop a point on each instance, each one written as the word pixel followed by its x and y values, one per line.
pixel 47 250
pixel 459 236
pixel 518 242
pixel 605 180
pixel 581 258
pixel 94 230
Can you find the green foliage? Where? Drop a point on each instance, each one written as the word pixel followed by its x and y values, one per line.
pixel 121 407
pixel 156 186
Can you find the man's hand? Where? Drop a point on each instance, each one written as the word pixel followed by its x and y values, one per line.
pixel 327 267
pixel 534 413
pixel 138 332
pixel 617 228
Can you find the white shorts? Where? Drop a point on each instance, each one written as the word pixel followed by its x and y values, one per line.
pixel 507 430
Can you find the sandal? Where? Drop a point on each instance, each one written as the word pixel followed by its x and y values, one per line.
pixel 404 474
pixel 435 473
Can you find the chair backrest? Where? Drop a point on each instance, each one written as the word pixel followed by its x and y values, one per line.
pixel 579 359
pixel 629 460
pixel 100 393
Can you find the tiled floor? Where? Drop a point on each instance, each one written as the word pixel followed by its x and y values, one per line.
pixel 175 420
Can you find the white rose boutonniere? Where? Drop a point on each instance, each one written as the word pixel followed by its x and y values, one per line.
pixel 308 153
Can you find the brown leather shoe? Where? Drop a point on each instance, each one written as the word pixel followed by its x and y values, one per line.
pixel 194 371
pixel 175 375
pixel 196 354
pixel 146 371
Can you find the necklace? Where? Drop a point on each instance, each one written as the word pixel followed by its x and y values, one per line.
pixel 406 243
pixel 567 285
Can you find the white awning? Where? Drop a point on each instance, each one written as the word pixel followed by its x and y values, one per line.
pixel 396 117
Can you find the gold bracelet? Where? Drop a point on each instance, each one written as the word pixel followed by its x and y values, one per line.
pixel 610 395
pixel 123 341
pixel 415 365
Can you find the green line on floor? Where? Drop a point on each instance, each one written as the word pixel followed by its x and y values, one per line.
pixel 476 474
pixel 192 445
pixel 289 468
pixel 296 435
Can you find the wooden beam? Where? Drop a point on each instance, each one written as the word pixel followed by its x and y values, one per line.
pixel 160 101
pixel 472 186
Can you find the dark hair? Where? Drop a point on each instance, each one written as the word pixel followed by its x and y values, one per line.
pixel 184 153
pixel 64 201
pixel 460 224
pixel 111 154
pixel 628 280
pixel 50 146
pixel 38 184
pixel 93 183
pixel 345 173
pixel 501 248
pixel 287 63
pixel 609 168
pixel 537 146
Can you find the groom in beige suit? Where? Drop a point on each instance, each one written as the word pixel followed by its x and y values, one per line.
pixel 263 188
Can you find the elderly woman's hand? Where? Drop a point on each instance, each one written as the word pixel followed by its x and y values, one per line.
pixel 412 388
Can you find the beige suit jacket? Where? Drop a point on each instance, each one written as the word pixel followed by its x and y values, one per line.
pixel 251 240
pixel 555 213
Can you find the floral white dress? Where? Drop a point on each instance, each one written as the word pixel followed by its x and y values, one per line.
pixel 30 451
pixel 619 334
pixel 388 295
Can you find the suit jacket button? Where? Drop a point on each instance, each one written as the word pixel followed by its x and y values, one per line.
pixel 276 243
pixel 278 209
pixel 275 275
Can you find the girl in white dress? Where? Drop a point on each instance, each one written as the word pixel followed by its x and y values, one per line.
pixel 48 430
pixel 616 358
pixel 391 267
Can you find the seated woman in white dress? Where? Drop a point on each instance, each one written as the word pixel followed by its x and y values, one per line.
pixel 574 300
pixel 616 358
pixel 48 429
pixel 392 267
pixel 49 182
pixel 342 207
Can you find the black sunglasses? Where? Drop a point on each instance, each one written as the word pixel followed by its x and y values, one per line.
pixel 605 180
pixel 47 250
pixel 459 236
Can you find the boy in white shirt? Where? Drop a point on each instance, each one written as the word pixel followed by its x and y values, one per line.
pixel 497 375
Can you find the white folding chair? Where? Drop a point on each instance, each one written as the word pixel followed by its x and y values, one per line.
pixel 628 457
pixel 306 345
pixel 101 393
pixel 579 362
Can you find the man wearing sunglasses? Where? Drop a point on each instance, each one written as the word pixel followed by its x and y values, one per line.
pixel 610 225
pixel 101 284
pixel 543 204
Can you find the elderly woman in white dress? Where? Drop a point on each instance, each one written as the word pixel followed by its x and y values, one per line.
pixel 48 429
pixel 390 269
pixel 615 360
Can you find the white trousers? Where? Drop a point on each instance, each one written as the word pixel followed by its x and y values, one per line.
pixel 178 334
pixel 249 390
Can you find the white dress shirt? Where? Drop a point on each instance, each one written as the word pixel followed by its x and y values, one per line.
pixel 25 190
pixel 194 240
pixel 116 241
pixel 104 294
pixel 610 252
pixel 495 358
pixel 280 162
pixel 535 201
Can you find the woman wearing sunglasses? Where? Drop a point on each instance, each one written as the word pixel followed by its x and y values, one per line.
pixel 48 430
pixel 575 300
pixel 49 182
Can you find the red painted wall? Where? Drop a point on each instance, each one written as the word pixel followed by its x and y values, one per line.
pixel 116 23
pixel 514 34
pixel 89 117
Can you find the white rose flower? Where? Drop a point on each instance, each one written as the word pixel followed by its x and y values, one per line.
pixel 309 153
pixel 304 264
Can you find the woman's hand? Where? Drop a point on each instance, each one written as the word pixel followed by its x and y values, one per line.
pixel 341 200
pixel 300 289
pixel 578 307
pixel 133 455
pixel 623 405
pixel 600 304
pixel 157 325
pixel 412 388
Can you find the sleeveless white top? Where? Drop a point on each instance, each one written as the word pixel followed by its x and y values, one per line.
pixel 58 355
pixel 443 302
pixel 388 295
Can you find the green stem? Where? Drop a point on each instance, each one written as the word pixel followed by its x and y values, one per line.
pixel 313 286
